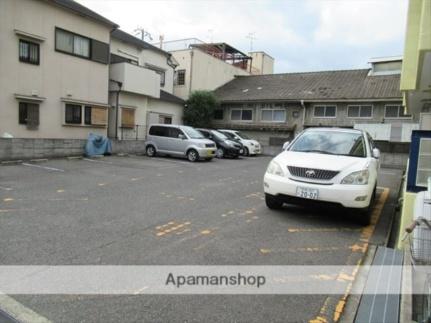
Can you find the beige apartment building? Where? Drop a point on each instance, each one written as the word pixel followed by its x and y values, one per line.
pixel 54 69
pixel 204 66
pixel 141 87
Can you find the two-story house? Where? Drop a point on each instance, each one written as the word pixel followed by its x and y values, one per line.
pixel 141 87
pixel 54 69
pixel 280 105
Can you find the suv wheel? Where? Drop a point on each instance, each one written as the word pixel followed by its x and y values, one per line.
pixel 272 202
pixel 192 155
pixel 150 151
pixel 365 214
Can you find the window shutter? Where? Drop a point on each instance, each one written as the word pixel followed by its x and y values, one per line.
pixel 99 51
pixel 99 116
pixel 127 118
pixel 32 116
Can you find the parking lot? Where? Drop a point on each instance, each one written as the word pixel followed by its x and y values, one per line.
pixel 166 211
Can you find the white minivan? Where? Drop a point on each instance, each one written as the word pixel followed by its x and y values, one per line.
pixel 332 165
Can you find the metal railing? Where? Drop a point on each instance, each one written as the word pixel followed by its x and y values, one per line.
pixel 138 132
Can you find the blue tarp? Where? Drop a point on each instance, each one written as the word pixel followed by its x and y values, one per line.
pixel 97 145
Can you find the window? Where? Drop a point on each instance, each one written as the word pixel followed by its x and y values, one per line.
pixel 68 42
pixel 28 52
pixel 159 131
pixel 28 114
pixel 174 132
pixel 181 77
pixel 87 115
pixel 73 113
pixel 325 111
pixel 165 119
pixel 162 77
pixel 424 162
pixel 77 45
pixel 273 115
pixel 218 114
pixel 127 118
pixel 359 111
pixel 395 111
pixel 241 115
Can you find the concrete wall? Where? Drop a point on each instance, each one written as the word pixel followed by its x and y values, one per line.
pixel 203 71
pixel 57 76
pixel 261 63
pixel 25 148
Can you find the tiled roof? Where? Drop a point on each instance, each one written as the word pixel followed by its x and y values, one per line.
pixel 327 85
pixel 168 97
pixel 82 10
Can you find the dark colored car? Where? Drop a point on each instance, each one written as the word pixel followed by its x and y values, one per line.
pixel 225 146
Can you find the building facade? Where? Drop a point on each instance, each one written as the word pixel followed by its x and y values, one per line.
pixel 207 67
pixel 281 105
pixel 54 67
pixel 141 87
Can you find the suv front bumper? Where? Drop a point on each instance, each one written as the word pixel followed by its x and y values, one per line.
pixel 352 196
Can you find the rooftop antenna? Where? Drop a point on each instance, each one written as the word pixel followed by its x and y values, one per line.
pixel 142 33
pixel 252 37
pixel 161 39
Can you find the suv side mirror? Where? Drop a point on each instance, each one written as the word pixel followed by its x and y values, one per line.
pixel 181 136
pixel 376 153
pixel 285 145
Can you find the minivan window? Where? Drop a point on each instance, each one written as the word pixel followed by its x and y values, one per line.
pixel 331 142
pixel 193 133
pixel 174 132
pixel 159 131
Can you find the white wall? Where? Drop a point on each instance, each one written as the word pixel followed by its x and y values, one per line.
pixel 58 75
pixel 146 56
pixel 203 71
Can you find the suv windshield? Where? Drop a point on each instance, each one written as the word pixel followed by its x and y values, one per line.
pixel 331 142
pixel 192 133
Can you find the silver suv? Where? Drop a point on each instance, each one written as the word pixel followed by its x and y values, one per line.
pixel 176 140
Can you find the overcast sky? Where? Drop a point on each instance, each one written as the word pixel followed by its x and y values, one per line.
pixel 302 35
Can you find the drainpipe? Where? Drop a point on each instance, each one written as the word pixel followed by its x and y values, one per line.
pixel 117 103
pixel 191 71
pixel 303 115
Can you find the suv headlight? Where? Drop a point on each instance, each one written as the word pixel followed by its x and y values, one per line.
pixel 357 178
pixel 275 169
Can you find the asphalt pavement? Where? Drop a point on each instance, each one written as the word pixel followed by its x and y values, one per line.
pixel 122 211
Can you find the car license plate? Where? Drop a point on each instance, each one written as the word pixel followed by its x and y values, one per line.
pixel 307 193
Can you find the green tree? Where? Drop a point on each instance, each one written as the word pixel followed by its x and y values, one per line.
pixel 200 108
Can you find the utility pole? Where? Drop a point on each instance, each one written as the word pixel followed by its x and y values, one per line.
pixel 142 33
pixel 252 37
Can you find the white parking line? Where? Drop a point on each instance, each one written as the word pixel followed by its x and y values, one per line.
pixel 96 161
pixel 20 312
pixel 43 167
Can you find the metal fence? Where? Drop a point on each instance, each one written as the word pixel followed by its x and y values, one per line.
pixel 138 132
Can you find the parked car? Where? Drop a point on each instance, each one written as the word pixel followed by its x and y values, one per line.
pixel 332 165
pixel 251 146
pixel 225 146
pixel 177 140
